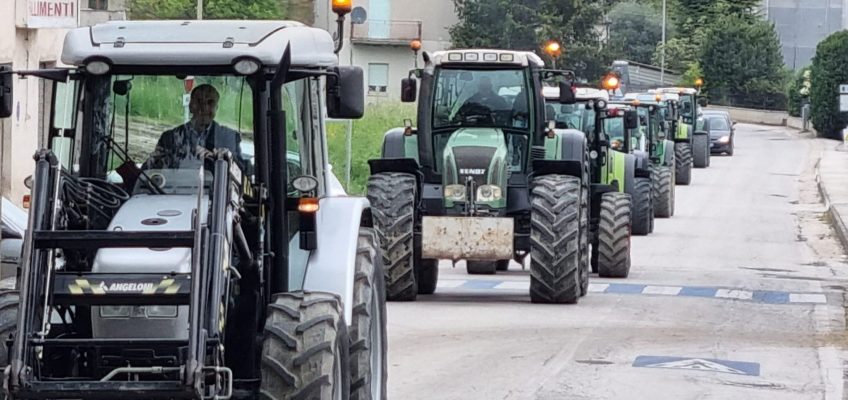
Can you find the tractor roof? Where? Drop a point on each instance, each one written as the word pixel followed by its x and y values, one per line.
pixel 198 43
pixel 487 57
pixel 582 93
pixel 676 90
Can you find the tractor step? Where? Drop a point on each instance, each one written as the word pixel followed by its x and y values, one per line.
pixel 111 239
pixel 72 288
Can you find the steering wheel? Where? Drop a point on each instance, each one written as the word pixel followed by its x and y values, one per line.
pixel 474 114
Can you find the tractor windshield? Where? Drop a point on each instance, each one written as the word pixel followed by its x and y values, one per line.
pixel 614 128
pixel 567 116
pixel 158 128
pixel 482 98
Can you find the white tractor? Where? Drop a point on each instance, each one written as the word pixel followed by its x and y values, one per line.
pixel 184 238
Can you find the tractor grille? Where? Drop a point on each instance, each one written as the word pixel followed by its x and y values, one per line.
pixel 537 152
pixel 473 162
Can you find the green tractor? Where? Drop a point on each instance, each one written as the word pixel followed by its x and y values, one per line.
pixel 691 147
pixel 616 182
pixel 482 178
pixel 651 139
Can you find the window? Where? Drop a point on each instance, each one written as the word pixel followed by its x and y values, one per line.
pixel 98 4
pixel 378 77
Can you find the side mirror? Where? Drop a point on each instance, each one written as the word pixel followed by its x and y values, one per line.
pixel 346 93
pixel 566 94
pixel 631 119
pixel 408 90
pixel 5 92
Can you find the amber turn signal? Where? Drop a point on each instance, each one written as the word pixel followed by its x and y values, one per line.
pixel 307 205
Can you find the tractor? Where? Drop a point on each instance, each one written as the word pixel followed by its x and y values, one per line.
pixel 691 147
pixel 613 176
pixel 181 242
pixel 482 178
pixel 655 118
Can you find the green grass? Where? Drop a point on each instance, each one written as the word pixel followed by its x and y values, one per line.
pixel 367 141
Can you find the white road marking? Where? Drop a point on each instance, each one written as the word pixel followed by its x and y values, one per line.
pixel 734 294
pixel 665 290
pixel 832 373
pixel 514 285
pixel 598 287
pixel 807 298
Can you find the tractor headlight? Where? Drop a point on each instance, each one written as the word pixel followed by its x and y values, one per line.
pixel 724 139
pixel 161 311
pixel 455 192
pixel 489 193
pixel 115 311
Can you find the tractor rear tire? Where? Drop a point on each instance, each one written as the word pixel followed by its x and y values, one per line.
pixel 682 163
pixel 477 267
pixel 662 182
pixel 368 340
pixel 642 207
pixel 305 348
pixel 428 276
pixel 555 270
pixel 701 151
pixel 502 265
pixel 614 236
pixel 392 197
pixel 9 303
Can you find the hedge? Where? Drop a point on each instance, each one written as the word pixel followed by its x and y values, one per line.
pixel 828 72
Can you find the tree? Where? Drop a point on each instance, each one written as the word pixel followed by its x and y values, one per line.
pixel 799 91
pixel 741 59
pixel 635 31
pixel 495 24
pixel 212 9
pixel 826 74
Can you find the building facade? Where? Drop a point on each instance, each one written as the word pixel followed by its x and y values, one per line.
pixel 379 42
pixel 30 38
pixel 802 24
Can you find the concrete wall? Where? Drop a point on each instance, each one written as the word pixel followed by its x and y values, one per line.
pixel 436 17
pixel 752 116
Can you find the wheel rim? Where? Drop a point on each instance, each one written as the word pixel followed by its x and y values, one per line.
pixel 376 338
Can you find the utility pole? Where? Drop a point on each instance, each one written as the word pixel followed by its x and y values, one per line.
pixel 662 52
pixel 199 10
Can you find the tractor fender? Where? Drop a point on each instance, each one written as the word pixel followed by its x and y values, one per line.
pixel 642 164
pixel 396 144
pixel 629 173
pixel 669 153
pixel 331 266
pixel 564 154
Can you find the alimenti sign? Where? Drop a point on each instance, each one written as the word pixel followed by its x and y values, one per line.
pixel 51 13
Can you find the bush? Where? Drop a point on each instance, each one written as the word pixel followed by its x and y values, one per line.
pixel 798 90
pixel 366 143
pixel 827 73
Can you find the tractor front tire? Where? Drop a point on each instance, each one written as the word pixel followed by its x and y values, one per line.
pixel 662 188
pixel 9 303
pixel 427 276
pixel 477 267
pixel 701 151
pixel 643 207
pixel 368 340
pixel 555 270
pixel 682 163
pixel 305 348
pixel 392 197
pixel 614 236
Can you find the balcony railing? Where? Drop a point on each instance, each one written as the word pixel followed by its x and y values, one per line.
pixel 386 32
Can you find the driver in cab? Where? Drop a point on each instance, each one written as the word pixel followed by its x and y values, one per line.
pixel 487 97
pixel 187 142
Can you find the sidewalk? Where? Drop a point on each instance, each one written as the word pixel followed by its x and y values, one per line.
pixel 832 177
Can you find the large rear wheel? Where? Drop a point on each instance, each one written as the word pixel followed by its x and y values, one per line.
pixel 701 151
pixel 427 276
pixel 368 355
pixel 502 265
pixel 662 181
pixel 555 275
pixel 9 302
pixel 477 267
pixel 614 236
pixel 392 197
pixel 643 207
pixel 305 348
pixel 682 163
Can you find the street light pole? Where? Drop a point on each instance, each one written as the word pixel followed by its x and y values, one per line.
pixel 199 10
pixel 662 52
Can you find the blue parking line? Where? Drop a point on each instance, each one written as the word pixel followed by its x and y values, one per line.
pixel 480 284
pixel 697 291
pixel 770 297
pixel 625 288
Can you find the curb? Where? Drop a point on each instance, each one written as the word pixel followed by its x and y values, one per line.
pixel 836 220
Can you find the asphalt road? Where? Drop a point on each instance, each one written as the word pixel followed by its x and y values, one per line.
pixel 738 296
